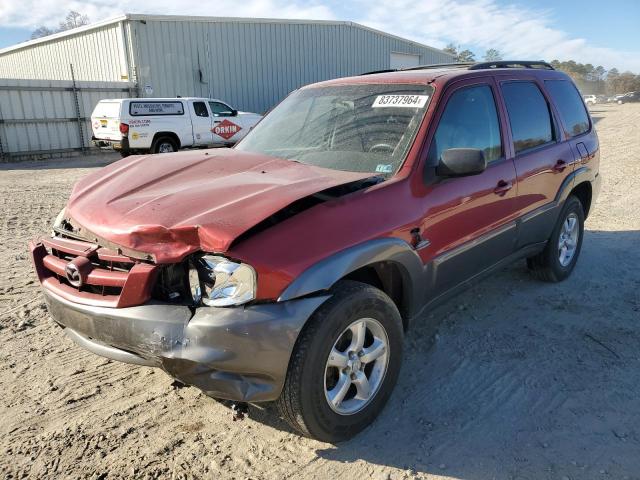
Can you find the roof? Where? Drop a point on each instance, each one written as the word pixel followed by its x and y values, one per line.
pixel 427 74
pixel 204 19
pixel 159 99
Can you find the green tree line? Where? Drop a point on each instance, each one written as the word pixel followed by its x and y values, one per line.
pixel 590 79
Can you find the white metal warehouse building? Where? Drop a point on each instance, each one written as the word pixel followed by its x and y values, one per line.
pixel 251 63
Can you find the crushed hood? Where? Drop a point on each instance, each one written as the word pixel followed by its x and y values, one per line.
pixel 173 204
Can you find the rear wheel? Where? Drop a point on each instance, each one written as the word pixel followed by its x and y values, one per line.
pixel 557 260
pixel 345 364
pixel 164 145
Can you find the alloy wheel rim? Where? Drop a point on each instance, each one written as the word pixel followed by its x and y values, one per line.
pixel 165 148
pixel 568 240
pixel 356 366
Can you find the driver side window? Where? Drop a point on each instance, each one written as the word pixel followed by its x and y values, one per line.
pixel 470 120
pixel 220 109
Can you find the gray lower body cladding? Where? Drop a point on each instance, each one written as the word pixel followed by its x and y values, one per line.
pixel 239 353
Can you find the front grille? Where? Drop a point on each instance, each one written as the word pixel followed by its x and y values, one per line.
pixel 86 273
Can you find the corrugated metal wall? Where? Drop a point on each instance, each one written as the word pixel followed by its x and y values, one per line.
pixel 39 116
pixel 95 54
pixel 253 64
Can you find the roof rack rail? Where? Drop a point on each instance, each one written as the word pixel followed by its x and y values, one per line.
pixel 441 65
pixel 422 67
pixel 511 64
pixel 473 66
pixel 387 70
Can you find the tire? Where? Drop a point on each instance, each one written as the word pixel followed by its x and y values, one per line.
pixel 124 154
pixel 164 145
pixel 551 265
pixel 304 402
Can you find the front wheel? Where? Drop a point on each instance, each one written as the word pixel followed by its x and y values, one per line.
pixel 344 365
pixel 557 260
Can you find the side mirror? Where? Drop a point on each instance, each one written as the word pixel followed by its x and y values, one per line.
pixel 460 162
pixel 234 112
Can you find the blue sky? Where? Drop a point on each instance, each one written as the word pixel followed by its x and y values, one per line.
pixel 589 31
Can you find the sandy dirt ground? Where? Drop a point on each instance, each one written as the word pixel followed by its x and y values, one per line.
pixel 515 379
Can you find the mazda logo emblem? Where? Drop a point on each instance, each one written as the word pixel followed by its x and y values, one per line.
pixel 73 274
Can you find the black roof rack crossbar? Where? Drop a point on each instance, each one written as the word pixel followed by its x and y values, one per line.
pixel 511 64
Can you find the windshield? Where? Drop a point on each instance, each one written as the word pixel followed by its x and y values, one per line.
pixel 357 128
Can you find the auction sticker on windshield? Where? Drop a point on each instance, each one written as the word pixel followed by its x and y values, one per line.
pixel 408 101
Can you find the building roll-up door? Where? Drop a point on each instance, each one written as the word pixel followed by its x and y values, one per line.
pixel 404 60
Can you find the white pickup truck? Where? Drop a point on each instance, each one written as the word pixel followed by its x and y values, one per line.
pixel 163 125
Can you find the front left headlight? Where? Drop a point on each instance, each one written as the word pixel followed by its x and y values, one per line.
pixel 218 282
pixel 57 223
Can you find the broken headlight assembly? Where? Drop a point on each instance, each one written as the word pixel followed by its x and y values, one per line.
pixel 57 223
pixel 218 282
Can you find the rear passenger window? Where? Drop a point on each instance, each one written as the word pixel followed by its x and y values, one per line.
pixel 470 120
pixel 570 105
pixel 529 115
pixel 200 109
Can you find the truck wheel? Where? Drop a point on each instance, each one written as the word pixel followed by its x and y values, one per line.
pixel 164 145
pixel 556 261
pixel 344 365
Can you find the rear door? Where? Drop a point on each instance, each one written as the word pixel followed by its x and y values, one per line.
pixel 543 160
pixel 201 122
pixel 469 221
pixel 228 126
pixel 105 120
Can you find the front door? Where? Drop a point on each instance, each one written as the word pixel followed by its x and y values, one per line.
pixel 469 221
pixel 227 124
pixel 201 122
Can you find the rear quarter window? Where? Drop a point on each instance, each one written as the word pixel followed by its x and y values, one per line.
pixel 567 100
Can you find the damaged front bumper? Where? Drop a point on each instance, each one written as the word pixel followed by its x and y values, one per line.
pixel 237 353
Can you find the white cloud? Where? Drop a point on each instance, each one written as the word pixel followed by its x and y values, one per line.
pixel 517 32
pixel 33 13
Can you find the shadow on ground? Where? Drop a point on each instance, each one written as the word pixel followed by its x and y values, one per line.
pixel 522 379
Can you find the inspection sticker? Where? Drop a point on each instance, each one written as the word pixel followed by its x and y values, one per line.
pixel 406 101
pixel 384 168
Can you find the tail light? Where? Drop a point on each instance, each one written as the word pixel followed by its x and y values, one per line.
pixel 124 128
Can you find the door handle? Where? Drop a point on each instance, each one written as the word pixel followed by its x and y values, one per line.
pixel 560 166
pixel 502 188
pixel 216 121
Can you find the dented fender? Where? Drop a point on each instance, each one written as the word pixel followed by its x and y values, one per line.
pixel 324 274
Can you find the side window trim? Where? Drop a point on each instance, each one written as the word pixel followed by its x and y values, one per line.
pixel 556 130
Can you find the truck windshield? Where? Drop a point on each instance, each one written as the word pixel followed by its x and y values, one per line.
pixel 358 128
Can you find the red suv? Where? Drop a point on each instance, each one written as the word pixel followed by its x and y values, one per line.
pixel 289 268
